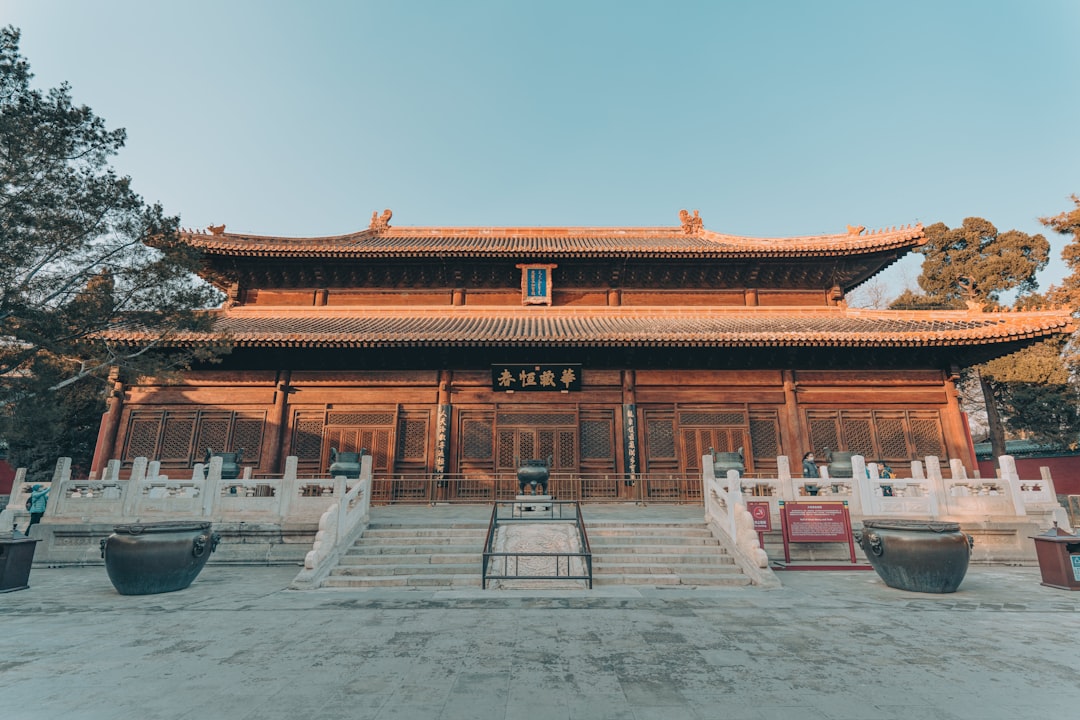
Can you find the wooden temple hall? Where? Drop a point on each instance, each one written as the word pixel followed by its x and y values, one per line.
pixel 622 353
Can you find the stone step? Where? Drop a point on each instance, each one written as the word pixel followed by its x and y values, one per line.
pixel 419 532
pixel 606 568
pixel 377 548
pixel 357 557
pixel 680 528
pixel 694 545
pixel 404 581
pixel 665 558
pixel 427 540
pixel 732 580
pixel 414 569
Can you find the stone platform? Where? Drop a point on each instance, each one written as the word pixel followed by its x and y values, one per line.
pixel 825 646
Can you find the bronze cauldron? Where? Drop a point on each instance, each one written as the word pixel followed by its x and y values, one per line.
pixel 916 555
pixel 143 559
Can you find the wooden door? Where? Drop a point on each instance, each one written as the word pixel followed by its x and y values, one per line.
pixel 375 441
pixel 697 441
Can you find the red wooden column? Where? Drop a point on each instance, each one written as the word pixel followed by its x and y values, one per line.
pixel 276 427
pixel 110 426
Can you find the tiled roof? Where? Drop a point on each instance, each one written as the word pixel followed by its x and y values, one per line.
pixel 618 327
pixel 397 242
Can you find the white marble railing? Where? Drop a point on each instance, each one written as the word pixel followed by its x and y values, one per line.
pixel 926 494
pixel 148 496
pixel 339 527
pixel 726 514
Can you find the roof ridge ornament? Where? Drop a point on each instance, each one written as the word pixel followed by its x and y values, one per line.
pixel 966 285
pixel 380 222
pixel 856 229
pixel 691 224
pixel 216 229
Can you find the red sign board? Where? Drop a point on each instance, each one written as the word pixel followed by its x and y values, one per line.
pixel 761 514
pixel 810 522
pixel 817 522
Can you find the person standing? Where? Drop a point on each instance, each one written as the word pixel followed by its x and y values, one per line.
pixel 39 498
pixel 809 469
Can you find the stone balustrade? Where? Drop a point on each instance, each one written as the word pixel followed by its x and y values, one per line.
pixel 272 519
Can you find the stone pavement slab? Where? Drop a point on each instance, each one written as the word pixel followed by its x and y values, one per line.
pixel 828 645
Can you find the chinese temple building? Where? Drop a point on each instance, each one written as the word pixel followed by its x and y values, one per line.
pixel 621 351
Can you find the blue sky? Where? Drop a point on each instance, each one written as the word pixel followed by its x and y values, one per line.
pixel 772 118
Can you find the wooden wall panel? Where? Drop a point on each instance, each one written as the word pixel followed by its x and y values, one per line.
pixel 579 297
pixel 709 377
pixel 871 397
pixel 371 378
pixel 906 378
pixel 493 297
pixel 792 297
pixel 698 395
pixel 223 396
pixel 342 396
pixel 682 298
pixel 280 297
pixel 381 299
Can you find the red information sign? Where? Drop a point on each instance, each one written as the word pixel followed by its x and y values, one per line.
pixel 817 522
pixel 761 514
pixel 811 522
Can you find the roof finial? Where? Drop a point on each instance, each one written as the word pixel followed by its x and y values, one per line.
pixel 856 229
pixel 216 229
pixel 381 222
pixel 966 283
pixel 691 224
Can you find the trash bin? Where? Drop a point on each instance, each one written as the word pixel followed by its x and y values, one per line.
pixel 16 556
pixel 1059 558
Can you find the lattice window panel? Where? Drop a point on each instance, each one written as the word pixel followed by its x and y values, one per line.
pixel 565 458
pixel 247 434
pixel 213 433
pixel 307 439
pixel 476 439
pixel 528 447
pixel 359 418
pixel 377 440
pixel 143 435
pixel 412 439
pixel 661 435
pixel 764 436
pixel 858 436
pixel 176 437
pixel 891 440
pixel 535 419
pixel 823 434
pixel 712 418
pixel 926 432
pixel 546 445
pixel 506 448
pixel 596 439
pixel 690 447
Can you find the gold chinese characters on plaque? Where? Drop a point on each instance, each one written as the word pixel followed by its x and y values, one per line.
pixel 536 378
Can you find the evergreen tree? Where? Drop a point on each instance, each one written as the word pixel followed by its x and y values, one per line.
pixel 972 265
pixel 80 253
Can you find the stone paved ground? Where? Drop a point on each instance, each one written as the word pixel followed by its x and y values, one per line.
pixel 237 644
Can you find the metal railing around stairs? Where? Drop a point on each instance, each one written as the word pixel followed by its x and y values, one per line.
pixel 536 565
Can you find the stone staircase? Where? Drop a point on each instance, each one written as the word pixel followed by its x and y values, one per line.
pixel 433 555
pixel 660 554
pixel 443 553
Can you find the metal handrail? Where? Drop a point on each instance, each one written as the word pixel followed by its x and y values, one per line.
pixel 517 517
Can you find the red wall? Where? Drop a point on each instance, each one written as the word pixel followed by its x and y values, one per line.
pixel 7 477
pixel 1065 471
